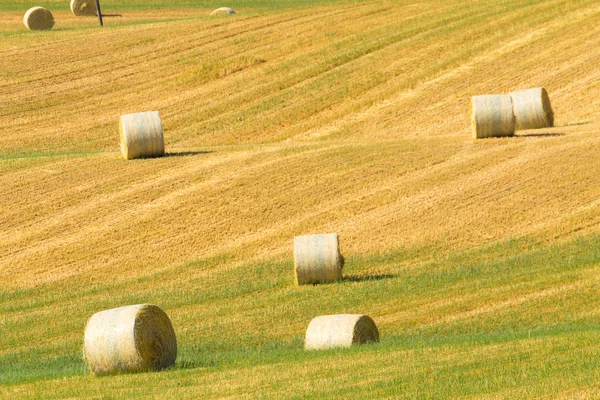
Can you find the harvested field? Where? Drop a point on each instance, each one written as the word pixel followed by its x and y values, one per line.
pixel 322 116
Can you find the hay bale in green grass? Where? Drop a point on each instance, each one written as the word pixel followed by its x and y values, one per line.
pixel 317 258
pixel 340 330
pixel 84 7
pixel 129 339
pixel 492 116
pixel 38 19
pixel 222 10
pixel 141 135
pixel 532 109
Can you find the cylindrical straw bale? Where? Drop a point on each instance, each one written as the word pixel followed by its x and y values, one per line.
pixel 532 109
pixel 38 19
pixel 141 135
pixel 129 339
pixel 222 10
pixel 83 7
pixel 340 330
pixel 317 258
pixel 492 116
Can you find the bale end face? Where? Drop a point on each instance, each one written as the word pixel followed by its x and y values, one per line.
pixel 317 259
pixel 38 19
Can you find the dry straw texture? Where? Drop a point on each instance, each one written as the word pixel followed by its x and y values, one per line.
pixel 129 339
pixel 492 116
pixel 38 19
pixel 532 109
pixel 222 10
pixel 83 7
pixel 340 330
pixel 317 258
pixel 141 135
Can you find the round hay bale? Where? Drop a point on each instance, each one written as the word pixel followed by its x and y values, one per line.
pixel 129 339
pixel 340 330
pixel 492 116
pixel 222 10
pixel 141 135
pixel 38 19
pixel 317 259
pixel 84 7
pixel 532 109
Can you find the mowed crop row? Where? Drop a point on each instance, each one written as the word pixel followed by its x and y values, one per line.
pixel 351 118
pixel 202 205
pixel 273 77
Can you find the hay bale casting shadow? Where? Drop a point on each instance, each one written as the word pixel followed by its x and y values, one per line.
pixel 492 116
pixel 317 258
pixel 340 330
pixel 141 135
pixel 38 19
pixel 129 339
pixel 532 109
pixel 84 7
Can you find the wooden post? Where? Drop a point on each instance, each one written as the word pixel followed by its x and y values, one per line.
pixel 99 12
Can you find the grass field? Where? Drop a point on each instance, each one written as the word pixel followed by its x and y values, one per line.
pixel 478 260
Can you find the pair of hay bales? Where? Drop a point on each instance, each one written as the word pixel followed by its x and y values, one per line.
pixel 141 338
pixel 88 8
pixel 500 115
pixel 317 259
pixel 41 19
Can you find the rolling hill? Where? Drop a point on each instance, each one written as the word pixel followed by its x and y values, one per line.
pixel 478 259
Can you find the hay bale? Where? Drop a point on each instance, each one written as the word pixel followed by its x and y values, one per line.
pixel 222 10
pixel 84 7
pixel 317 258
pixel 38 19
pixel 129 339
pixel 340 330
pixel 141 135
pixel 492 116
pixel 532 109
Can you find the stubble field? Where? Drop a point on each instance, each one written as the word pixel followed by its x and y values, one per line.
pixel 478 260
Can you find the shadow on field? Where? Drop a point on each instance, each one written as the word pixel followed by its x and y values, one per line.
pixel 367 278
pixel 577 123
pixel 541 135
pixel 187 153
pixel 188 364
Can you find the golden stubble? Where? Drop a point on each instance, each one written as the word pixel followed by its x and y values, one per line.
pixel 307 136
